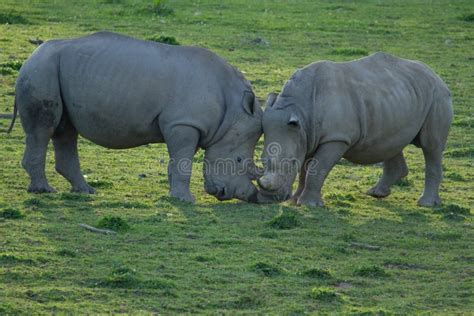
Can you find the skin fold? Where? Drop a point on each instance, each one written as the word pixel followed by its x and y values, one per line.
pixel 120 92
pixel 366 111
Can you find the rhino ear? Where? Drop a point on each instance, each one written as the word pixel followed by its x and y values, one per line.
pixel 293 120
pixel 271 99
pixel 248 102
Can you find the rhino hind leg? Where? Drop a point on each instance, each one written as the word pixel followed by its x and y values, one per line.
pixel 38 97
pixel 39 119
pixel 34 160
pixel 67 158
pixel 394 169
pixel 432 143
pixel 433 177
pixel 433 136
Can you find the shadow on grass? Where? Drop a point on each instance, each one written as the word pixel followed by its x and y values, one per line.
pixel 48 203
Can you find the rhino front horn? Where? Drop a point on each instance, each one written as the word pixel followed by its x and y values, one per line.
pixel 265 182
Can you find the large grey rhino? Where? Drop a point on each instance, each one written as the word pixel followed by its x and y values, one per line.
pixel 120 92
pixel 366 111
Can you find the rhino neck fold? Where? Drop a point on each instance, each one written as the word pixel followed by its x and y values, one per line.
pixel 308 126
pixel 312 122
pixel 227 121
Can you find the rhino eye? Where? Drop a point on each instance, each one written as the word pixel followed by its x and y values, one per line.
pixel 239 159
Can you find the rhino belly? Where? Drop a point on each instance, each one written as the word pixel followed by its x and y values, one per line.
pixel 370 156
pixel 117 136
pixel 382 145
pixel 387 130
pixel 114 125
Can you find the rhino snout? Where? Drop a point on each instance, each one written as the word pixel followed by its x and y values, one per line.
pixel 219 190
pixel 211 187
pixel 211 190
pixel 274 188
pixel 223 194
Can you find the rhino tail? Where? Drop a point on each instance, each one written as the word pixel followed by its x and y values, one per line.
pixel 15 112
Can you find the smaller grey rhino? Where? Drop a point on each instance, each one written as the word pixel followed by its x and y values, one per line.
pixel 366 111
pixel 121 92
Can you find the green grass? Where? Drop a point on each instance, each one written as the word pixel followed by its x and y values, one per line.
pixel 285 220
pixel 12 18
pixel 324 294
pixel 114 223
pixel 11 213
pixel 317 273
pixel 468 17
pixel 350 51
pixel 233 257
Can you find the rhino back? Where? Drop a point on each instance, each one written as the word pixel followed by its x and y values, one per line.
pixel 122 92
pixel 378 104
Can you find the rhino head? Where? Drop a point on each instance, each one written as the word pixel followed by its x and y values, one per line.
pixel 285 147
pixel 229 168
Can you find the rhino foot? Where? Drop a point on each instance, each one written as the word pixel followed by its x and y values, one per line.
pixel 310 201
pixel 85 189
pixel 41 188
pixel 183 197
pixel 379 192
pixel 429 201
pixel 294 198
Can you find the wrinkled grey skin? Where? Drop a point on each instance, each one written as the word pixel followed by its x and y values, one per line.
pixel 121 92
pixel 366 111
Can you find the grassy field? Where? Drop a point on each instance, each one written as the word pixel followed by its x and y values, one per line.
pixel 233 257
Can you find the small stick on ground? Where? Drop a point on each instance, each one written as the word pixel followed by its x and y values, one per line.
pixel 364 246
pixel 6 116
pixel 98 230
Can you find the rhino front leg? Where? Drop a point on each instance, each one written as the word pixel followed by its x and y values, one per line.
pixel 182 142
pixel 327 155
pixel 301 183
pixel 67 159
pixel 394 169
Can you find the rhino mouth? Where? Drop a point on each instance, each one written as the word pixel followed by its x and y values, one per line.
pixel 265 197
pixel 225 192
pixel 218 190
pixel 273 193
pixel 254 198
